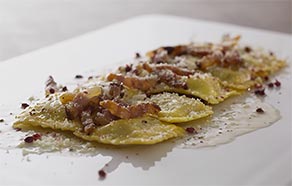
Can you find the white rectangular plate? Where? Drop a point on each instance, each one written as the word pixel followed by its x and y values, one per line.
pixel 262 157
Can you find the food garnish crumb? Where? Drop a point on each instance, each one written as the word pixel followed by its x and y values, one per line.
pixel 24 105
pixel 260 92
pixel 34 137
pixel 28 139
pixel 64 89
pixel 102 174
pixel 260 110
pixel 191 130
pixel 277 83
pixel 78 76
pixel 137 55
pixel 271 85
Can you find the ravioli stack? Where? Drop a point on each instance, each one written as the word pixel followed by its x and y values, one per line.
pixel 145 102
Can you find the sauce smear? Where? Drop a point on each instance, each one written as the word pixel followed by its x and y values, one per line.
pixel 234 117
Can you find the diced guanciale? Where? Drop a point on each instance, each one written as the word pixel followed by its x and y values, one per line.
pixel 130 111
pixel 134 82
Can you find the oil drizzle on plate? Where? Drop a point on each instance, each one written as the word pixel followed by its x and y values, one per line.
pixel 234 117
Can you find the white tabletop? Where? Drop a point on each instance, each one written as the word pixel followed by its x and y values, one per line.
pixel 262 157
pixel 31 24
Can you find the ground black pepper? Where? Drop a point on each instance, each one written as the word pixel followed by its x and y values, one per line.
pixel 28 139
pixel 260 110
pixel 270 85
pixel 78 76
pixel 128 68
pixel 277 83
pixel 52 91
pixel 191 130
pixel 260 92
pixel 64 89
pixel 102 174
pixel 137 55
pixel 247 49
pixel 24 105
pixel 36 136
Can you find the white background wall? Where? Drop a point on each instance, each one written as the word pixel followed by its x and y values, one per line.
pixel 26 25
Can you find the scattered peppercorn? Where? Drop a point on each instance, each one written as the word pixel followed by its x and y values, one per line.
pixel 260 110
pixel 24 105
pixel 78 76
pixel 260 92
pixel 247 49
pixel 191 130
pixel 36 136
pixel 277 83
pixel 270 85
pixel 102 174
pixel 52 91
pixel 128 68
pixel 1 120
pixel 64 89
pixel 137 55
pixel 266 78
pixel 29 139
